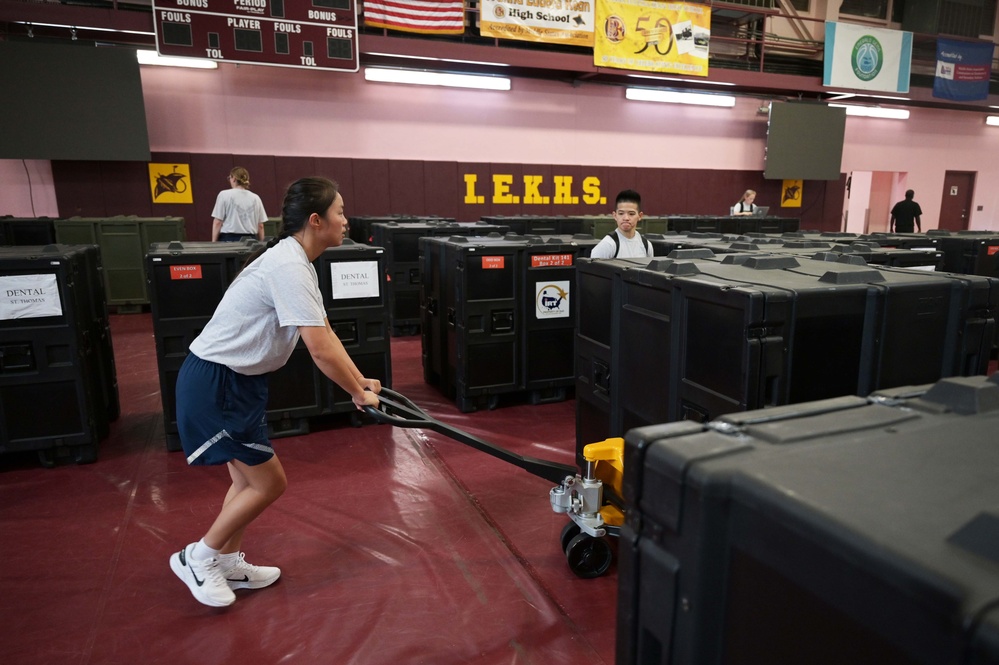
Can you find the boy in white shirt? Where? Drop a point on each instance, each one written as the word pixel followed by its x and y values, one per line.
pixel 626 241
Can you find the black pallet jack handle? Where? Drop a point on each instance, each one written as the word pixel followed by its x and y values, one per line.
pixel 398 410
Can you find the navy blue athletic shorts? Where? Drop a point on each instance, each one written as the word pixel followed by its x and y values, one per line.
pixel 221 414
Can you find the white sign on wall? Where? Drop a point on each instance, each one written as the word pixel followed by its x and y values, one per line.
pixel 29 296
pixel 354 279
pixel 552 300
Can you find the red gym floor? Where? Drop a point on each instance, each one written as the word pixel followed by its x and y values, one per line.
pixel 397 546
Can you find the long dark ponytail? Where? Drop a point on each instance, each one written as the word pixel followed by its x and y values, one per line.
pixel 304 197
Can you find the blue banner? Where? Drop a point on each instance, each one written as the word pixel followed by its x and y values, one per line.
pixel 963 70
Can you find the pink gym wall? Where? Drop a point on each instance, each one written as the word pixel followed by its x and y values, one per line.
pixel 246 110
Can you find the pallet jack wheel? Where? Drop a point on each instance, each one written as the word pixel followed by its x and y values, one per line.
pixel 588 557
pixel 569 531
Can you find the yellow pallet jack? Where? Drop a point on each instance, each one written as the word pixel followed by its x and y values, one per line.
pixel 591 500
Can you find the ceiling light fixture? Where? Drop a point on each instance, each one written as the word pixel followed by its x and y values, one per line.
pixel 670 97
pixel 874 111
pixel 147 57
pixel 414 77
pixel 992 120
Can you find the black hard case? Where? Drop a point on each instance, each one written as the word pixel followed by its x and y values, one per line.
pixel 751 331
pixel 400 241
pixel 362 324
pixel 972 253
pixel 63 361
pixel 482 336
pixel 849 530
pixel 598 348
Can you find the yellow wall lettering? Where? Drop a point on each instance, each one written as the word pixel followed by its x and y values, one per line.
pixel 532 194
pixel 470 197
pixel 563 190
pixel 501 189
pixel 591 191
pixel 535 191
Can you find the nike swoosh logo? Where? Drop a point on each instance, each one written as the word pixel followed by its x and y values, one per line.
pixel 246 578
pixel 183 562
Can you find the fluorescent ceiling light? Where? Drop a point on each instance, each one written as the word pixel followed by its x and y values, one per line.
pixel 874 111
pixel 700 99
pixel 992 120
pixel 414 77
pixel 146 57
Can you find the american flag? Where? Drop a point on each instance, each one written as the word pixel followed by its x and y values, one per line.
pixel 437 17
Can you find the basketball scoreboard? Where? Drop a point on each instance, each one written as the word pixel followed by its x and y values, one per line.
pixel 310 34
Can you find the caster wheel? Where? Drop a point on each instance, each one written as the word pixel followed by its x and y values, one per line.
pixel 85 454
pixel 588 557
pixel 569 531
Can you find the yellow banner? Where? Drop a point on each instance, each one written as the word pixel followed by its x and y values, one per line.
pixel 170 183
pixel 790 193
pixel 652 36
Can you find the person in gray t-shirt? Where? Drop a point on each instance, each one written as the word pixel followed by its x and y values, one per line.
pixel 222 386
pixel 238 212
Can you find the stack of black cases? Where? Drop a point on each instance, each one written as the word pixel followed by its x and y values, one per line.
pixel 55 350
pixel 402 263
pixel 694 338
pixel 538 224
pixel 974 253
pixel 359 228
pixel 848 530
pixel 498 317
pixel 187 282
pixel 925 258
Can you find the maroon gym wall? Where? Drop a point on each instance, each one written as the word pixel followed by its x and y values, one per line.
pixel 411 187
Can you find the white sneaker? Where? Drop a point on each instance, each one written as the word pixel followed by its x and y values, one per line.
pixel 243 575
pixel 203 578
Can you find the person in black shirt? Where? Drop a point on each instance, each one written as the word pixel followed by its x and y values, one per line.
pixel 904 213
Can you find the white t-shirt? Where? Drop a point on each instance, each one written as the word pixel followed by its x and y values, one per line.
pixel 630 248
pixel 255 327
pixel 744 207
pixel 240 210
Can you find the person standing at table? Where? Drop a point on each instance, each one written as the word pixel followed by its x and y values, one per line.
pixel 745 205
pixel 238 212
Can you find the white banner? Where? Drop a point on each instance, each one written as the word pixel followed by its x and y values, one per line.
pixel 866 58
pixel 29 297
pixel 354 279
pixel 552 300
pixel 552 21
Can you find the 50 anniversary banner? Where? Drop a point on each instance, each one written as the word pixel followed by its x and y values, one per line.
pixel 652 36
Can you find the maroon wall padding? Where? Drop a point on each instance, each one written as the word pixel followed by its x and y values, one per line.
pixel 341 172
pixel 442 188
pixel 371 186
pixel 427 188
